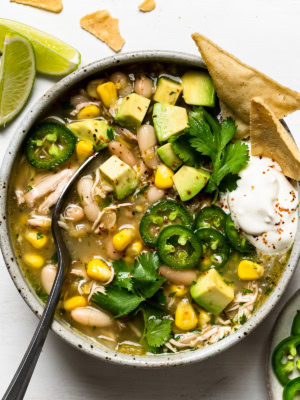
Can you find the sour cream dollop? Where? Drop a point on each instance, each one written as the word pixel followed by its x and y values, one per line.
pixel 264 206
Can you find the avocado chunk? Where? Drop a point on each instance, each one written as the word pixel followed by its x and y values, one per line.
pixel 168 120
pixel 211 292
pixel 198 88
pixel 167 155
pixel 92 130
pixel 120 175
pixel 189 181
pixel 132 111
pixel 167 91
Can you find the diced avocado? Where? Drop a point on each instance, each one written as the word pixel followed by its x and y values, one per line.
pixel 189 181
pixel 132 111
pixel 168 120
pixel 211 292
pixel 92 130
pixel 166 153
pixel 167 91
pixel 120 175
pixel 198 88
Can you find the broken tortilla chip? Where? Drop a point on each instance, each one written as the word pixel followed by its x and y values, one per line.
pixel 106 28
pixel 147 5
pixel 237 83
pixel 270 139
pixel 49 5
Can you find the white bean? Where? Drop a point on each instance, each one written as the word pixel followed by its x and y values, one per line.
pixel 154 194
pixel 111 251
pixel 121 151
pixel 186 277
pixel 90 207
pixel 122 82
pixel 144 86
pixel 48 275
pixel 84 189
pixel 147 141
pixel 74 212
pixel 89 316
pixel 91 211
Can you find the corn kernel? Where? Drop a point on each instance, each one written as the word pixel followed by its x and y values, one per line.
pixel 128 260
pixel 107 93
pixel 123 238
pixel 91 111
pixel 86 289
pixel 99 270
pixel 163 177
pixel 204 318
pixel 249 270
pixel 185 316
pixel 23 219
pixel 75 302
pixel 179 290
pixel 92 87
pixel 33 260
pixel 36 239
pixel 134 249
pixel 84 149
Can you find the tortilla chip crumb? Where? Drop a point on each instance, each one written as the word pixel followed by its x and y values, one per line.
pixel 147 5
pixel 270 139
pixel 49 5
pixel 106 28
pixel 236 84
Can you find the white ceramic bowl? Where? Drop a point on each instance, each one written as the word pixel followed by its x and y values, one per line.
pixel 70 335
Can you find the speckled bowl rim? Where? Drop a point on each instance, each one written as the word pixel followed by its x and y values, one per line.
pixel 60 327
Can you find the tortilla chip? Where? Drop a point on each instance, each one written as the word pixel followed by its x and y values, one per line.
pixel 147 5
pixel 270 139
pixel 49 5
pixel 237 83
pixel 106 28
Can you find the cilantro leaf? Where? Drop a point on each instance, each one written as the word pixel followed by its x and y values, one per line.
pixel 110 134
pixel 159 299
pixel 229 183
pixel 183 149
pixel 236 156
pixel 212 139
pixel 123 277
pixel 158 331
pixel 117 300
pixel 146 279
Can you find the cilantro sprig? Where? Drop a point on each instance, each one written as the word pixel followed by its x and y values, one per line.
pixel 138 289
pixel 212 139
pixel 131 285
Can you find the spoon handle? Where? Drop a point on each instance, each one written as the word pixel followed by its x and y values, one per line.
pixel 18 386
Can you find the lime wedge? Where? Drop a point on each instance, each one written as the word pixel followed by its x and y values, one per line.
pixel 53 57
pixel 17 74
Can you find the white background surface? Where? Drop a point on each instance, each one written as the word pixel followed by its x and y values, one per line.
pixel 264 34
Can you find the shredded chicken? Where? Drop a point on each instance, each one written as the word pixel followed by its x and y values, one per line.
pixel 48 185
pixel 126 133
pixel 242 306
pixel 39 221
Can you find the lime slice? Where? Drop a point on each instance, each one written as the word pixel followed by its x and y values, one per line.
pixel 17 74
pixel 53 57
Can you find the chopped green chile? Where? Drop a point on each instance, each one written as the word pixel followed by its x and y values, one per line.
pixel 211 217
pixel 48 145
pixel 238 241
pixel 215 250
pixel 288 348
pixel 296 324
pixel 291 389
pixel 178 247
pixel 160 215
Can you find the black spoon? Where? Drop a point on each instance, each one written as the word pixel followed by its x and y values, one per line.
pixel 18 386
